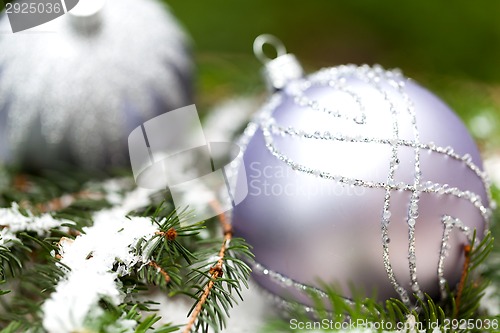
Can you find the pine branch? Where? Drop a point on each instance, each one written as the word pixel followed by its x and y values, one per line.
pixel 33 281
pixel 465 271
pixel 14 327
pixel 24 227
pixel 145 249
pixel 211 293
pixel 124 319
pixel 160 270
pixel 216 270
pixel 41 272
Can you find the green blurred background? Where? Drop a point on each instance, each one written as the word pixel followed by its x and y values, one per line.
pixel 451 47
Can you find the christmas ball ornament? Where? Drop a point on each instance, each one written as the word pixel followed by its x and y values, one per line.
pixel 72 93
pixel 357 176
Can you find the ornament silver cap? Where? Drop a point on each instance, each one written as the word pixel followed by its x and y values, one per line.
pixel 280 70
pixel 86 17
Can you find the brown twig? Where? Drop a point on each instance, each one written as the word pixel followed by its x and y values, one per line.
pixel 463 278
pixel 23 183
pixel 215 271
pixel 161 270
pixel 61 202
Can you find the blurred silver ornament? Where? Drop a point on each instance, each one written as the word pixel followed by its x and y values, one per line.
pixel 73 89
pixel 357 175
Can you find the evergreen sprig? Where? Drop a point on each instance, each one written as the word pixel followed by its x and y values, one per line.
pixel 176 254
pixel 217 278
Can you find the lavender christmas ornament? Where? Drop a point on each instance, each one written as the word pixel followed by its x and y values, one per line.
pixel 357 175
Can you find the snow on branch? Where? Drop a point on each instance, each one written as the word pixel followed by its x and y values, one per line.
pixel 13 221
pixel 93 262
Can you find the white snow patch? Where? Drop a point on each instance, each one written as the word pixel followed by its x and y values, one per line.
pixel 95 259
pixel 13 221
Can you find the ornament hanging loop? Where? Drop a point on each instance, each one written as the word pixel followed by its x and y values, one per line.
pixel 280 70
pixel 258 47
